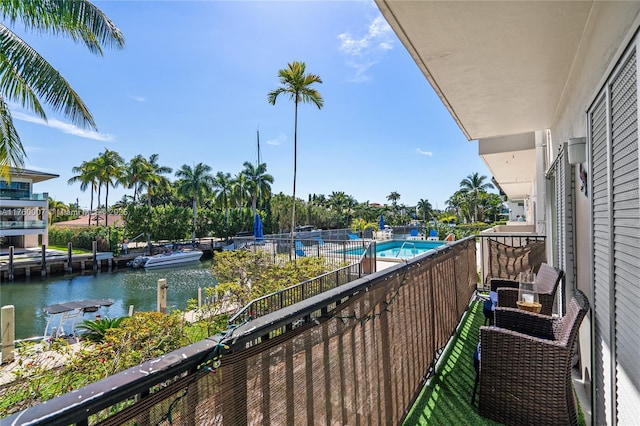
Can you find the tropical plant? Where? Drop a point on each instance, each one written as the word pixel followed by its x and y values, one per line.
pixel 88 177
pixel 360 225
pixel 110 166
pixel 155 180
pixel 95 330
pixel 474 184
pixel 136 173
pixel 259 183
pixel 27 78
pixel 56 210
pixel 297 85
pixel 223 187
pixel 393 197
pixel 424 206
pixel 195 183
pixel 239 190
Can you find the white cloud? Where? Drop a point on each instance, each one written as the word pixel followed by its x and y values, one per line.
pixel 427 153
pixel 63 127
pixel 138 98
pixel 277 141
pixel 367 50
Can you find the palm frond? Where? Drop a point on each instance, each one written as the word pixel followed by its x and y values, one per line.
pixel 11 150
pixel 25 74
pixel 80 20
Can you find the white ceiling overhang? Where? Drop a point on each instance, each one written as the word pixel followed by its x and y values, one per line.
pixel 512 162
pixel 500 68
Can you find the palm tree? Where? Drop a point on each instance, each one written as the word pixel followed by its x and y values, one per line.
pixel 195 183
pixel 55 207
pixel 474 184
pixel 136 174
pixel 154 179
pixel 223 188
pixel 297 85
pixel 425 207
pixel 393 197
pixel 110 166
pixel 240 189
pixel 259 182
pixel 27 78
pixel 86 175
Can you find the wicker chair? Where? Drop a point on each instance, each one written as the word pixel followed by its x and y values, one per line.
pixel 525 366
pixel 547 279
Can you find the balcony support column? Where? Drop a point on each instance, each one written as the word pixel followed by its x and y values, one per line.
pixel 539 195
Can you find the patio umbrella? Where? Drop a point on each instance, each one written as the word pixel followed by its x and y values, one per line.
pixel 382 222
pixel 258 233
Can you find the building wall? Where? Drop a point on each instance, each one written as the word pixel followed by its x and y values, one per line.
pixel 612 26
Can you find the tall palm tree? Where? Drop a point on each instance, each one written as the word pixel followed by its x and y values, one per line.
pixel 110 166
pixel 240 189
pixel 136 173
pixel 474 184
pixel 425 207
pixel 26 78
pixel 195 183
pixel 88 177
pixel 259 182
pixel 393 197
pixel 297 85
pixel 154 179
pixel 223 189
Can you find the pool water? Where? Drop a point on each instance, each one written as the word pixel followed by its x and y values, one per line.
pixel 398 249
pixel 401 249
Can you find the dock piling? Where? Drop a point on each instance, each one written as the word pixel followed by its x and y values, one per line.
pixel 8 320
pixel 69 259
pixel 11 250
pixel 43 269
pixel 162 295
pixel 94 246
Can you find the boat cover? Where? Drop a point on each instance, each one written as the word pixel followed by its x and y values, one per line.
pixel 79 304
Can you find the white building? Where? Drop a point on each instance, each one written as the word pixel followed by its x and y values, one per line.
pixel 524 79
pixel 23 213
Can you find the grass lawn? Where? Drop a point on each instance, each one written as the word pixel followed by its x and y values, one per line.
pixel 73 249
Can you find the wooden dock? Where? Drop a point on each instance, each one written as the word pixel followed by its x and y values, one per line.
pixel 46 263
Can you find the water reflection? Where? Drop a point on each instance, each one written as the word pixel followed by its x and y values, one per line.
pixel 126 287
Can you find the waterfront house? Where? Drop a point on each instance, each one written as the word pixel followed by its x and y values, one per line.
pixel 550 92
pixel 23 213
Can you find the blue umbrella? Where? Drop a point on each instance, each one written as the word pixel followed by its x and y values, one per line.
pixel 258 233
pixel 382 222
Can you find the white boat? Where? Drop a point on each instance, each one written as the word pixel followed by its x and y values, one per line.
pixel 68 313
pixel 167 259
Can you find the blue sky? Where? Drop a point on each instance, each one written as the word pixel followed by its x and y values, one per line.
pixel 192 83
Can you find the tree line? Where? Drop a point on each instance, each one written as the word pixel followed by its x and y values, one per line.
pixel 199 202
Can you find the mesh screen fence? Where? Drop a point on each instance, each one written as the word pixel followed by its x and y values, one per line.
pixel 363 362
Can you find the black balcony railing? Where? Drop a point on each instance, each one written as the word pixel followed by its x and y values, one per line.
pixel 355 354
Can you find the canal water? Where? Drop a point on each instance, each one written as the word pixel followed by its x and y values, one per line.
pixel 126 287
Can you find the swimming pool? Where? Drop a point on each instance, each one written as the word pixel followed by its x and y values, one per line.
pixel 407 249
pixel 402 249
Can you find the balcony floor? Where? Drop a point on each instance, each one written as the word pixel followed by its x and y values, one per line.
pixel 446 398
